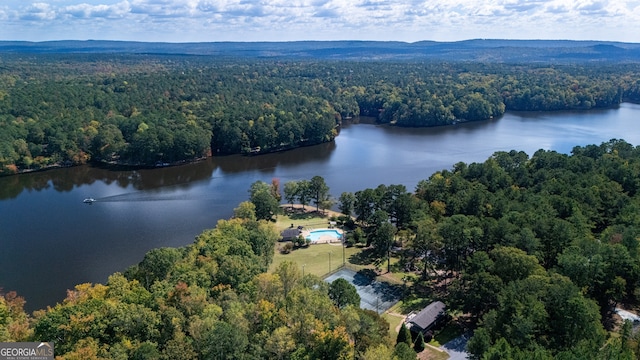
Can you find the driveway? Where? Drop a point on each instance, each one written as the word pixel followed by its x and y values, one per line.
pixel 456 348
pixel 628 315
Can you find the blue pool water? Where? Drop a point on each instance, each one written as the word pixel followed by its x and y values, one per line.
pixel 316 234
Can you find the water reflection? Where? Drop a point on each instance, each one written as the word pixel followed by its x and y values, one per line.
pixel 181 177
pixel 67 179
pixel 319 154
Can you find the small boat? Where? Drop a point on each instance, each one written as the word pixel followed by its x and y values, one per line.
pixel 89 200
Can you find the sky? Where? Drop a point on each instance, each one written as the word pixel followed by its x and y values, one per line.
pixel 290 20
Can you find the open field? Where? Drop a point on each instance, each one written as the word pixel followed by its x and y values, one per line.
pixel 394 320
pixel 317 259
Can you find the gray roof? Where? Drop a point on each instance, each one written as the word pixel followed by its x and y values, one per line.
pixel 427 316
pixel 290 233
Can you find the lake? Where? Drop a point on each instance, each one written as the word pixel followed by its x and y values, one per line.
pixel 50 241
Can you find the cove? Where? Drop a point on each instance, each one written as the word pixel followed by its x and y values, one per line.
pixel 50 241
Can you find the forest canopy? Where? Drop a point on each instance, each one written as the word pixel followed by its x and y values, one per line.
pixel 147 110
pixel 541 250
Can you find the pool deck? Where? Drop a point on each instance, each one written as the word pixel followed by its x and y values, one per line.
pixel 324 239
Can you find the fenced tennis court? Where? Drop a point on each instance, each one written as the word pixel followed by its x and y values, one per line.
pixel 374 295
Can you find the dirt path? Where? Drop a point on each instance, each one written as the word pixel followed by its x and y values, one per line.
pixel 403 317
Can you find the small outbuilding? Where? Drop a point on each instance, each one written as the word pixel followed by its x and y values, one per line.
pixel 427 318
pixel 290 234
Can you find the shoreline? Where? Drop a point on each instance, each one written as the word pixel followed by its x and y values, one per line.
pixel 124 166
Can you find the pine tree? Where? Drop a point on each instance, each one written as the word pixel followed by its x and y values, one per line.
pixel 404 336
pixel 419 344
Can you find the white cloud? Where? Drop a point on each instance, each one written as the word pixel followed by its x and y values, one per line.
pixel 163 8
pixel 410 20
pixel 38 11
pixel 97 11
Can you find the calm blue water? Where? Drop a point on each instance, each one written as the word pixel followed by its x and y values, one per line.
pixel 316 234
pixel 50 241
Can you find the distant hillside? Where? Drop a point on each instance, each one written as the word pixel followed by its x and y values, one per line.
pixel 509 51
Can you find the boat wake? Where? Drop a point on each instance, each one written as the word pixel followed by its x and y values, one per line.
pixel 136 197
pixel 157 196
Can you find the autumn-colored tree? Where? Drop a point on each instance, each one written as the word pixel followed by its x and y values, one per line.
pixel 275 189
pixel 14 322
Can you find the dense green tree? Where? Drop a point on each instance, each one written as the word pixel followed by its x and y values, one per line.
pixel 225 341
pixel 318 190
pixel 246 210
pixel 346 200
pixel 280 342
pixel 403 351
pixel 146 351
pixel 479 286
pixel 511 264
pixel 419 345
pixel 404 335
pixel 426 243
pixel 156 265
pixel 304 194
pixel 367 328
pixel 365 205
pixel 291 191
pixel 383 241
pixel 343 294
pixel 525 312
pixel 379 352
pixel 262 237
pixel 179 348
pixel 266 205
pixel 458 234
pixel 479 343
pixel 289 275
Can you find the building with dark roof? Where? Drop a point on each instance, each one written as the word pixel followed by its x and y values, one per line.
pixel 427 318
pixel 290 234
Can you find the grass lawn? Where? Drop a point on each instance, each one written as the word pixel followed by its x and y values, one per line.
pixel 315 258
pixel 394 322
pixel 432 354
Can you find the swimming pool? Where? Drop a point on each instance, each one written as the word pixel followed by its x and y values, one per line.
pixel 329 235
